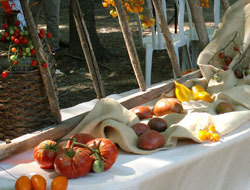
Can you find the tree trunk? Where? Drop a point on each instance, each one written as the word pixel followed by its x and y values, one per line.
pixel 89 18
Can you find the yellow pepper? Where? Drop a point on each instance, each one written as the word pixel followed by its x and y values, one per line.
pixel 197 88
pixel 199 93
pixel 183 93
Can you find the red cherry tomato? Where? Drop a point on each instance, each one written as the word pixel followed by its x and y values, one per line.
pixel 33 51
pixel 228 60
pixel 12 38
pixel 42 31
pixel 3 38
pixel 73 163
pixel 6 34
pixel 18 23
pixel 222 55
pixel 24 41
pixel 5 26
pixel 49 35
pixel 81 138
pixel 236 48
pixel 15 62
pixel 16 41
pixel 4 74
pixel 44 65
pixel 41 36
pixel 107 151
pixel 17 30
pixel 45 153
pixel 34 62
pixel 16 35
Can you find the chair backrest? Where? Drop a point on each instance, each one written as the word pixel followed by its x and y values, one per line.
pixel 157 37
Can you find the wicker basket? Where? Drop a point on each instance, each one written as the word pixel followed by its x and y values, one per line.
pixel 24 105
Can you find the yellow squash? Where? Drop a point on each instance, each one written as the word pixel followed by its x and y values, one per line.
pixel 199 93
pixel 183 93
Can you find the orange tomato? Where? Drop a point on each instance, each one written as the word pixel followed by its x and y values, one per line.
pixel 202 135
pixel 23 183
pixel 59 183
pixel 38 182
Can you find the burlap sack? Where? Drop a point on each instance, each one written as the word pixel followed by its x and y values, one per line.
pixel 111 120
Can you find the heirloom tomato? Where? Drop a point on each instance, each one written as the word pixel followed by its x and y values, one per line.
pixel 73 163
pixel 45 153
pixel 80 138
pixel 106 150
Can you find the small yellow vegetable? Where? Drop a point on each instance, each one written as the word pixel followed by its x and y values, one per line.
pixel 183 93
pixel 199 93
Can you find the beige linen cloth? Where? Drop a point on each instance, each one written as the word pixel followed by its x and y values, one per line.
pixel 111 120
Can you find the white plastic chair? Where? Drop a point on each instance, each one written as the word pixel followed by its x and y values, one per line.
pixel 155 41
pixel 191 34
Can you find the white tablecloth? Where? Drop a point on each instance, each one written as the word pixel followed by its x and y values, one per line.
pixel 224 165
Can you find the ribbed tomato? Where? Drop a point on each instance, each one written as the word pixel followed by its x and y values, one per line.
pixel 45 153
pixel 73 163
pixel 106 149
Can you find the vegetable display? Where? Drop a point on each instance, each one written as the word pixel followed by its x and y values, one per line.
pixel 82 154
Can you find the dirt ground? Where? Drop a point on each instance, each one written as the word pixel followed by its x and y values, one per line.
pixel 74 83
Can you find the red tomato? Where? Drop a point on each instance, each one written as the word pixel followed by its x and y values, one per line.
pixel 4 74
pixel 44 65
pixel 34 62
pixel 33 51
pixel 107 151
pixel 81 138
pixel 17 23
pixel 42 31
pixel 49 35
pixel 45 153
pixel 5 26
pixel 73 163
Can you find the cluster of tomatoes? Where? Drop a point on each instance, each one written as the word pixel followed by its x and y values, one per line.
pixel 38 182
pixel 82 154
pixel 209 134
pixel 227 59
pixel 21 46
pixel 131 6
pixel 204 3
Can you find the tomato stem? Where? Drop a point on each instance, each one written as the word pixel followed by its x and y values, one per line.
pixel 61 140
pixel 85 146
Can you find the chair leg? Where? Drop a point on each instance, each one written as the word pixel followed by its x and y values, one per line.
pixel 148 64
pixel 195 48
pixel 176 48
pixel 186 58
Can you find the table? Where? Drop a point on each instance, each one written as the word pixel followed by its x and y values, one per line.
pixel 223 165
